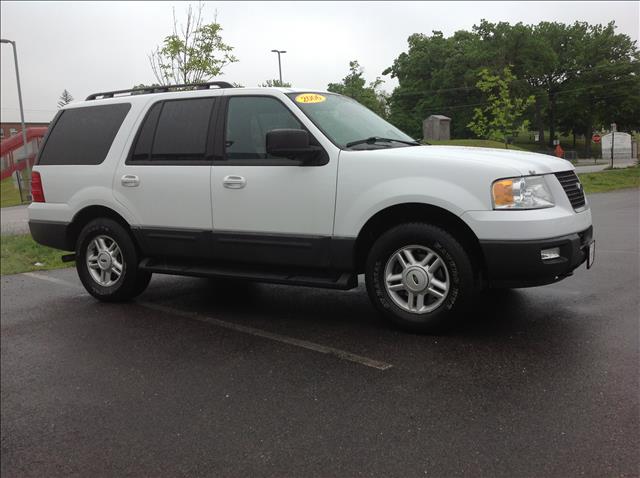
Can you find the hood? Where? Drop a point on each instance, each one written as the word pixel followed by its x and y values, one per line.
pixel 524 162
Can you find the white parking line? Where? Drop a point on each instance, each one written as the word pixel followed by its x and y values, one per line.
pixel 269 335
pixel 305 344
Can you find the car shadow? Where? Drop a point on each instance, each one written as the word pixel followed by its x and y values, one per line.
pixel 496 313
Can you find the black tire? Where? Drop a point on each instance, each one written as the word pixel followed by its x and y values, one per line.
pixel 462 285
pixel 132 281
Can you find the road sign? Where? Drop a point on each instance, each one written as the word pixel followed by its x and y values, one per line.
pixel 596 138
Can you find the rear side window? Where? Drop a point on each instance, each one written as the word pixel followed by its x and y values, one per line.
pixel 175 130
pixel 83 135
pixel 145 139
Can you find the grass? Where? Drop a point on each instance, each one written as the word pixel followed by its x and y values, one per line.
pixel 9 193
pixel 610 180
pixel 21 254
pixel 526 141
pixel 476 143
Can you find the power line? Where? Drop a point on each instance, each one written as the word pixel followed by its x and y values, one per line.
pixel 473 105
pixel 522 80
pixel 559 92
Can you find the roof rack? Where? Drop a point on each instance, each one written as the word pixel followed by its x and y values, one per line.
pixel 158 89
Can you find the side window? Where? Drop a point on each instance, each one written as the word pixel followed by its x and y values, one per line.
pixel 175 130
pixel 249 119
pixel 142 150
pixel 83 135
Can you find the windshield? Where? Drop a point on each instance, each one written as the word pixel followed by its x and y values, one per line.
pixel 345 121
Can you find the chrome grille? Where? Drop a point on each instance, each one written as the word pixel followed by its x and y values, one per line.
pixel 571 185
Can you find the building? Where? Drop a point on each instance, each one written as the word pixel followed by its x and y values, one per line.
pixel 9 129
pixel 437 127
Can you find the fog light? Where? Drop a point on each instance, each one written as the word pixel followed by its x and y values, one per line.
pixel 548 254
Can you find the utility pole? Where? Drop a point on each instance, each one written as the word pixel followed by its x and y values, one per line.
pixel 614 128
pixel 279 63
pixel 24 129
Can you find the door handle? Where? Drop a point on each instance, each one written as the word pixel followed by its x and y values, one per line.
pixel 234 182
pixel 130 180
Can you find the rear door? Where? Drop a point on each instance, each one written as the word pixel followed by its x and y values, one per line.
pixel 165 180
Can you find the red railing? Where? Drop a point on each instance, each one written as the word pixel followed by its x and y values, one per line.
pixel 16 156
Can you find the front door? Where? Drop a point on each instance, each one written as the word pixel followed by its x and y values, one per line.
pixel 268 209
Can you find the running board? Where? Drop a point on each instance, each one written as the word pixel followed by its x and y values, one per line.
pixel 337 280
pixel 68 257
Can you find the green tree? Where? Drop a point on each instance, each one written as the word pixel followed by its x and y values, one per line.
pixel 275 83
pixel 65 99
pixel 355 86
pixel 563 42
pixel 605 86
pixel 529 55
pixel 193 53
pixel 503 113
pixel 437 75
pixel 578 73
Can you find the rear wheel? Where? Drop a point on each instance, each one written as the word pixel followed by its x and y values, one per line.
pixel 107 262
pixel 419 277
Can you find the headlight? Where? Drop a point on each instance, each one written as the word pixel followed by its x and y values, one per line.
pixel 527 192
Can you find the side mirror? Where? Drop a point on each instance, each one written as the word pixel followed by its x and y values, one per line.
pixel 292 144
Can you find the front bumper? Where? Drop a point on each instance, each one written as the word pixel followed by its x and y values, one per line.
pixel 519 263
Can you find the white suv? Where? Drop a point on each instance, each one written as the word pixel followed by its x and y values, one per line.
pixel 297 187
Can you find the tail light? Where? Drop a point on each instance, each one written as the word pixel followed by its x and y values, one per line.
pixel 37 193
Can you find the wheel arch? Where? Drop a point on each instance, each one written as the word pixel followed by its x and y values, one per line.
pixel 89 213
pixel 418 212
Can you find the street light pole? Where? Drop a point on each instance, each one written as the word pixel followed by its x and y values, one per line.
pixel 279 63
pixel 24 129
pixel 15 58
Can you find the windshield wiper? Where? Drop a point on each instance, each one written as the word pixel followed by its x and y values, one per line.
pixel 378 139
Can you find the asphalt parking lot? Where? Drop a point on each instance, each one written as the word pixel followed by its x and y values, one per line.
pixel 204 378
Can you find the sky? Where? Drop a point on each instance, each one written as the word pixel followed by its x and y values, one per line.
pixel 86 47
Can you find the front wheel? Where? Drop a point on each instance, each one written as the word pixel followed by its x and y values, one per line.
pixel 419 276
pixel 107 262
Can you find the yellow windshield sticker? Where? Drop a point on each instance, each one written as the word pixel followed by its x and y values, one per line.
pixel 310 98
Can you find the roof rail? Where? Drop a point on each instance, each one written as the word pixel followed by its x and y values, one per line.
pixel 158 89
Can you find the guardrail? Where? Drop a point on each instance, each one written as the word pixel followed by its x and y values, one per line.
pixel 17 158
